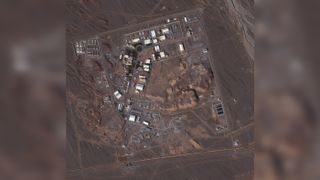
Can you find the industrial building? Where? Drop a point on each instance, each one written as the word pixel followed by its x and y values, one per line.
pixel 139 87
pixel 117 94
pixel 181 47
pixel 162 38
pixel 157 48
pixel 162 54
pixel 147 61
pixel 147 42
pixel 132 118
pixel 147 123
pixel 155 41
pixel 136 40
pixel 153 33
pixel 165 31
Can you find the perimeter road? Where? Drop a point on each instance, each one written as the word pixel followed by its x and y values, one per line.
pixel 245 148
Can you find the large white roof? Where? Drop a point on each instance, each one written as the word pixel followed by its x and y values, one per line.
pixel 132 118
pixel 117 94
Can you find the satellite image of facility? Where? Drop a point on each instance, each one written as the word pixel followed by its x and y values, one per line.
pixel 160 89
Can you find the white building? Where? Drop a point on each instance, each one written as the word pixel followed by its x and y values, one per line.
pixel 162 38
pixel 153 56
pixel 165 31
pixel 157 48
pixel 120 107
pixel 146 123
pixel 132 118
pixel 136 40
pixel 162 54
pixel 147 61
pixel 185 19
pixel 146 67
pixel 147 42
pixel 117 94
pixel 155 41
pixel 153 34
pixel 181 47
pixel 139 87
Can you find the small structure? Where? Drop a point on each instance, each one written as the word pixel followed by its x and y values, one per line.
pixel 189 32
pixel 147 61
pixel 132 118
pixel 141 33
pixel 153 56
pixel 120 107
pixel 165 31
pixel 127 60
pixel 219 109
pixel 157 48
pixel 117 94
pixel 139 87
pixel 181 47
pixel 106 99
pixel 168 20
pixel 185 19
pixel 205 50
pixel 155 41
pixel 136 40
pixel 236 143
pixel 147 42
pixel 153 34
pixel 146 123
pixel 162 54
pixel 219 128
pixel 146 67
pixel 142 79
pixel 128 86
pixel 162 38
pixel 80 47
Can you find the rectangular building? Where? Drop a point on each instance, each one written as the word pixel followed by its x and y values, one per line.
pixel 147 42
pixel 162 38
pixel 165 31
pixel 153 34
pixel 181 47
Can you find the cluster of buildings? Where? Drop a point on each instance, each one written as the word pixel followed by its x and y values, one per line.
pixel 132 117
pixel 152 39
pixel 127 60
pixel 137 69
pixel 87 47
pixel 141 83
pixel 142 78
pixel 136 118
pixel 80 47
